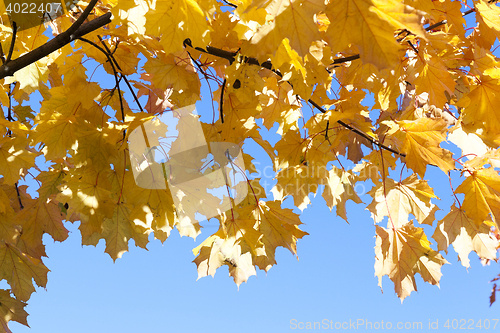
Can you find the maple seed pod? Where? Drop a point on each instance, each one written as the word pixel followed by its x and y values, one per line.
pixel 31 13
pixel 237 84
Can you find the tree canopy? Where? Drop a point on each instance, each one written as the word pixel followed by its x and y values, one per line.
pixel 357 90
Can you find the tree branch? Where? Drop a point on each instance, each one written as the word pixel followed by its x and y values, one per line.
pixel 230 4
pixel 221 110
pixel 12 42
pixel 8 69
pixel 230 56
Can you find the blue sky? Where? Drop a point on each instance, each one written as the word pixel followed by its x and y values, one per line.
pixel 157 291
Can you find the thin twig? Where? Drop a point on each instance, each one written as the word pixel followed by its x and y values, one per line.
pixel 122 76
pixel 230 4
pixel 11 49
pixel 19 196
pixel 413 47
pixel 222 101
pixel 117 81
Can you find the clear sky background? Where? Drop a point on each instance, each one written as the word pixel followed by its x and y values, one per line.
pixel 157 290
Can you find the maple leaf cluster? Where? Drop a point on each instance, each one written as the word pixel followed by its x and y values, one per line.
pixel 433 78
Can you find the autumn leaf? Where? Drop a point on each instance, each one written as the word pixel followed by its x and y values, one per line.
pixel 461 231
pixel 11 309
pixel 235 245
pixel 176 21
pixel 20 269
pixel 478 103
pixel 370 25
pixel 118 229
pixel 295 19
pixel 298 182
pixel 340 188
pixel 421 145
pixel 402 252
pixel 14 158
pixel 398 200
pixel 482 194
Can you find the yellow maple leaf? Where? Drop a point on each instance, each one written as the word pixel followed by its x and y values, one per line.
pixel 339 188
pixel 175 21
pixel 293 20
pixel 290 150
pixel 458 229
pixel 58 133
pixel 489 15
pixel 172 71
pixel 38 217
pixel 11 309
pixel 14 158
pixel 279 104
pixel 9 231
pixel 235 244
pixel 154 204
pixel 87 195
pixel 398 200
pixel 421 144
pixel 402 252
pixel 298 181
pixel 370 25
pixel 435 80
pixel 19 269
pixel 119 229
pixel 279 226
pixel 482 195
pixel 480 106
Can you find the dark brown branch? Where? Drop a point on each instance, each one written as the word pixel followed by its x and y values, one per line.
pixel 54 44
pixel 230 4
pixel 19 197
pixel 13 41
pixel 412 46
pixel 345 59
pixel 221 111
pixel 326 132
pixel 2 55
